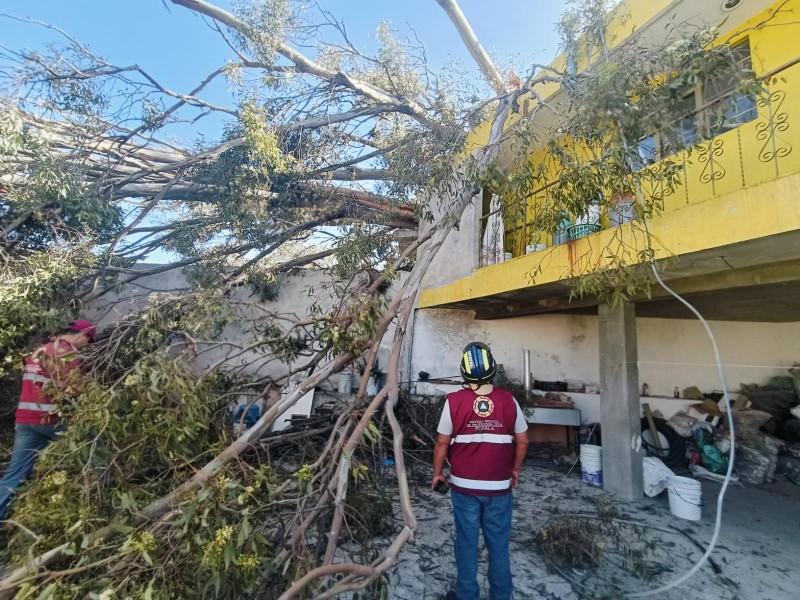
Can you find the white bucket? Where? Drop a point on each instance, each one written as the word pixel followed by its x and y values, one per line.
pixel 372 386
pixel 592 464
pixel 345 381
pixel 684 497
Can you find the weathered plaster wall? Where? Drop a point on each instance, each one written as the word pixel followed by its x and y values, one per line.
pixel 672 352
pixel 458 256
pixel 297 293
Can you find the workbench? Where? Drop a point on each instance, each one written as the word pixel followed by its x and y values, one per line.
pixel 541 421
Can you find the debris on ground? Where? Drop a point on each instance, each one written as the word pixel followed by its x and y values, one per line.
pixel 756 451
pixel 707 411
pixel 710 456
pixel 775 401
pixel 790 467
pixel 426 569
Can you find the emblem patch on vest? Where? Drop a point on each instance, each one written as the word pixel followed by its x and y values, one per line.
pixel 483 406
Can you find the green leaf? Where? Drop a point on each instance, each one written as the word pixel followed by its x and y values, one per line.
pixel 47 592
pixel 244 533
pixel 229 556
pixel 217 583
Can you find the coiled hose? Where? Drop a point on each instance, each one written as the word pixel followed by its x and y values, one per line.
pixel 674 455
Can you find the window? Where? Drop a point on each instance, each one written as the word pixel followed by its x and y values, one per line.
pixel 723 110
pixel 686 130
pixel 726 108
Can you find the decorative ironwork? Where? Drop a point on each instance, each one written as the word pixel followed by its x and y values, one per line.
pixel 662 189
pixel 774 147
pixel 707 154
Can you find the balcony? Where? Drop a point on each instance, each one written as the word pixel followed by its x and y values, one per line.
pixel 762 150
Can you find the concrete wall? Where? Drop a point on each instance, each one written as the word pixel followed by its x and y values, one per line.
pixel 672 352
pixel 458 256
pixel 296 295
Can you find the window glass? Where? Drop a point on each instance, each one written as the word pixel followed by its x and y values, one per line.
pixel 727 109
pixel 646 152
pixel 686 132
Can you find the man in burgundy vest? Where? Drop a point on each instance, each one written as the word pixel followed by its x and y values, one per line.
pixel 37 419
pixel 483 433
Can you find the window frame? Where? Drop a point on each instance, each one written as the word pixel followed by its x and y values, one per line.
pixel 654 148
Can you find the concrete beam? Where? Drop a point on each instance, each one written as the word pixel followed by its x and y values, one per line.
pixel 619 401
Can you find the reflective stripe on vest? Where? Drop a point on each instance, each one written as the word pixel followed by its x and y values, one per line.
pixel 478 484
pixel 37 406
pixel 489 438
pixel 35 378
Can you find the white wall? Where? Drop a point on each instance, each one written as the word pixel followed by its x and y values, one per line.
pixel 672 352
pixel 458 256
pixel 295 296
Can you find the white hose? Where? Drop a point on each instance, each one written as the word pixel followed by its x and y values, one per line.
pixel 721 495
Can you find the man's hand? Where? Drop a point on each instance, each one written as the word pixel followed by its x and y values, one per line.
pixel 514 478
pixel 439 456
pixel 437 478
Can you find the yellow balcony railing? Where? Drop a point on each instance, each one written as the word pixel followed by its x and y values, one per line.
pixel 763 149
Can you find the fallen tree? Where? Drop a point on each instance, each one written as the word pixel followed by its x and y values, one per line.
pixel 148 489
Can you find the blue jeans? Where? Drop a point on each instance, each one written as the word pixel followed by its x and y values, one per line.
pixel 29 440
pixel 492 514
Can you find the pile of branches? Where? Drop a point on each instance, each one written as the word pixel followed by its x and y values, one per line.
pixel 149 495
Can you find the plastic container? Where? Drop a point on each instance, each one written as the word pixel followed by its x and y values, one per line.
pixel 251 417
pixel 685 495
pixel 621 212
pixel 592 464
pixel 582 230
pixel 590 216
pixel 345 382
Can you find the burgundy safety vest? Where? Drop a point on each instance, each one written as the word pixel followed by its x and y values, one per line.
pixel 482 447
pixel 35 407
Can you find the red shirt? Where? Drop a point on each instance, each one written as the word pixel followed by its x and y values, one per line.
pixel 50 364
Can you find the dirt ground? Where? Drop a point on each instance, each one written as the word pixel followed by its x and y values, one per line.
pixel 756 558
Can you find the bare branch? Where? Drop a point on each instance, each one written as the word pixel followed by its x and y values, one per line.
pixel 306 65
pixel 470 40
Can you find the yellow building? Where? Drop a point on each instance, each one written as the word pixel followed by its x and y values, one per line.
pixel 732 224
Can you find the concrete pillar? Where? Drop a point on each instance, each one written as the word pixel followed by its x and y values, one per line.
pixel 619 401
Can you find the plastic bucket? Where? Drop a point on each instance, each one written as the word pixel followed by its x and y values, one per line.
pixel 592 464
pixel 345 382
pixel 621 212
pixel 685 495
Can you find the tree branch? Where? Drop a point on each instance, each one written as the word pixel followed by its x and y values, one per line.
pixel 470 40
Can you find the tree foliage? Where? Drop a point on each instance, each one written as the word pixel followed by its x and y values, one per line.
pixel 149 494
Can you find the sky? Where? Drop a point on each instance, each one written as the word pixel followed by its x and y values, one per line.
pixel 179 48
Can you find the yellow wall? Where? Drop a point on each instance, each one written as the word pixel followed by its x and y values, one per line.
pixel 752 172
pixel 729 219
